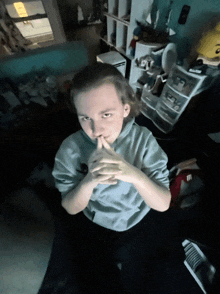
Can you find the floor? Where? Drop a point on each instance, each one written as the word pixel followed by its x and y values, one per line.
pixel 26 235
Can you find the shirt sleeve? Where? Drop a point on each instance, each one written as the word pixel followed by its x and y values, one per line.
pixel 154 163
pixel 67 168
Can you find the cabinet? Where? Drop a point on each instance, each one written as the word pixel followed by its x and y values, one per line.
pixel 115 59
pixel 180 87
pixel 121 21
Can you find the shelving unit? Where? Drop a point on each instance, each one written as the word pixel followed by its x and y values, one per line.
pixel 180 87
pixel 136 73
pixel 121 21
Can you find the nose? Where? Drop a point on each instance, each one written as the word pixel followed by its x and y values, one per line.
pixel 97 129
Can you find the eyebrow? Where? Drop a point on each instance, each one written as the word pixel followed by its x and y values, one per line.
pixel 101 112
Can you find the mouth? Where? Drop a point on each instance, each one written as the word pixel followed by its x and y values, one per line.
pixel 96 138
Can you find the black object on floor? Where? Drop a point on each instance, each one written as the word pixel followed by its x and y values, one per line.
pixel 165 270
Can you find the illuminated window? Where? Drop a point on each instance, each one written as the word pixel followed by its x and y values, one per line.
pixel 34 24
pixel 20 8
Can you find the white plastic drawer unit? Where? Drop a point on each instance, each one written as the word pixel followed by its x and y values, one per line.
pixel 180 87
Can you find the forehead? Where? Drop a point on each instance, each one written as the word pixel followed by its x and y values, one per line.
pixel 98 99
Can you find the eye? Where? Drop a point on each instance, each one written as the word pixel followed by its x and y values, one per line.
pixel 85 118
pixel 107 115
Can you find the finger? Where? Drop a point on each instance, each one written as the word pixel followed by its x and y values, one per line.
pixel 106 180
pixel 105 144
pixel 100 178
pixel 109 182
pixel 103 155
pixel 97 156
pixel 101 166
pixel 103 178
pixel 99 143
pixel 106 170
pixel 104 162
pixel 95 165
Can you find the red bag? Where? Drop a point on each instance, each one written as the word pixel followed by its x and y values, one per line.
pixel 186 184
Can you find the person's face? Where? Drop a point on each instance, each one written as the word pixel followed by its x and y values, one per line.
pixel 101 112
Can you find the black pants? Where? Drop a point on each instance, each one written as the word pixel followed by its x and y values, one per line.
pixel 148 258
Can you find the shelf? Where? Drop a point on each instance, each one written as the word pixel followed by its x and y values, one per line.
pixel 147 106
pixel 177 92
pixel 148 111
pixel 166 113
pixel 158 120
pixel 117 18
pixel 172 109
pixel 143 111
pixel 178 100
pixel 162 124
pixel 121 19
pixel 143 69
pixel 165 118
pixel 121 37
pixel 130 57
pixel 142 49
pixel 150 100
pixel 138 85
pixel 119 49
pixel 185 83
pixel 105 40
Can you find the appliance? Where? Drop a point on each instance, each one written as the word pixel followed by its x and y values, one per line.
pixel 198 265
pixel 115 59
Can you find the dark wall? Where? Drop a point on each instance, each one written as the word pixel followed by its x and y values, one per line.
pixel 69 11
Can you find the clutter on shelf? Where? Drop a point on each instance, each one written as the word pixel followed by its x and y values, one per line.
pixel 137 33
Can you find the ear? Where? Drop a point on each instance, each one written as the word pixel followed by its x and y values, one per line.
pixel 127 109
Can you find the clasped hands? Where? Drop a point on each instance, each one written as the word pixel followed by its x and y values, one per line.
pixel 107 167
